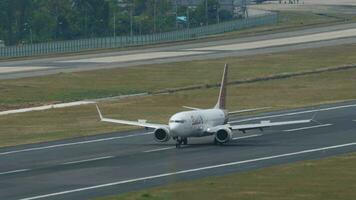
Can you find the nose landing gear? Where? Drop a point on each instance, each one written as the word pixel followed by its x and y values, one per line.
pixel 180 141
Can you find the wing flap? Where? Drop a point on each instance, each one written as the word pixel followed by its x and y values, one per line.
pixel 266 124
pixel 141 123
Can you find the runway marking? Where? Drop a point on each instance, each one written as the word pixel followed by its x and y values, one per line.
pixel 14 171
pixel 88 160
pixel 294 113
pixel 161 149
pixel 249 136
pixel 75 143
pixel 11 69
pixel 189 171
pixel 308 127
pixel 134 135
pixel 236 138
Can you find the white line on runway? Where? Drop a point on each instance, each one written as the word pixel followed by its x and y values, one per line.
pixel 161 149
pixel 14 171
pixel 10 69
pixel 88 160
pixel 74 143
pixel 249 136
pixel 294 113
pixel 190 171
pixel 308 127
pixel 236 138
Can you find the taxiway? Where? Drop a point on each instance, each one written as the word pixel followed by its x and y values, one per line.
pixel 269 43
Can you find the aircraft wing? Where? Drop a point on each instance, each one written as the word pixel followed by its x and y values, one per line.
pixel 266 124
pixel 141 123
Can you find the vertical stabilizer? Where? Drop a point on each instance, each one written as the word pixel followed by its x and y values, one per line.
pixel 222 95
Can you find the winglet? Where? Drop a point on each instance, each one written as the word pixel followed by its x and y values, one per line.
pixel 100 115
pixel 313 119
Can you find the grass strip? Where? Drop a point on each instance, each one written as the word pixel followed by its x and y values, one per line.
pixel 294 92
pixel 258 79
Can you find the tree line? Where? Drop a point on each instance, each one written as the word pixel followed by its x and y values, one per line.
pixel 30 21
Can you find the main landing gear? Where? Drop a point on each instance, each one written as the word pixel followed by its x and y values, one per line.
pixel 180 141
pixel 216 142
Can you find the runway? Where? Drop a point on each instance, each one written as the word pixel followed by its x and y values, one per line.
pixel 270 43
pixel 116 163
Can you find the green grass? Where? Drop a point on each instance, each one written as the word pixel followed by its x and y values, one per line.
pixel 83 120
pixel 295 19
pixel 65 87
pixel 331 178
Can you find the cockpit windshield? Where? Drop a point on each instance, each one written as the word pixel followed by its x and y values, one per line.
pixel 177 121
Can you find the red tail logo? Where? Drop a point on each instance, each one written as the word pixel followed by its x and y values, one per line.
pixel 222 95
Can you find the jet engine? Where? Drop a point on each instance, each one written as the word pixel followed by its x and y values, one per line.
pixel 161 135
pixel 223 135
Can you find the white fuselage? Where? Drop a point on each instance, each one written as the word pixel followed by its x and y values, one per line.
pixel 196 123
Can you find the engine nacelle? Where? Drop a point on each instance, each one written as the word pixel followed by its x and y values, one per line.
pixel 223 135
pixel 161 135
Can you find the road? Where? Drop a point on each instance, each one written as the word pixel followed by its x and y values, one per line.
pixel 278 42
pixel 115 163
pixel 331 2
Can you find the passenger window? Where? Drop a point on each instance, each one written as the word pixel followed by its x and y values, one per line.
pixel 177 121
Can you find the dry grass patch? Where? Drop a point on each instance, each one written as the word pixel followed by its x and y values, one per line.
pixel 67 87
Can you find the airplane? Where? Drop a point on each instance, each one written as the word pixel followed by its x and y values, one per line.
pixel 201 122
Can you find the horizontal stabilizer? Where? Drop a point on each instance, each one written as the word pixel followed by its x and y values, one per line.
pixel 248 110
pixel 191 108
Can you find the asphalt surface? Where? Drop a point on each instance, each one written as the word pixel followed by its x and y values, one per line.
pixel 172 53
pixel 109 164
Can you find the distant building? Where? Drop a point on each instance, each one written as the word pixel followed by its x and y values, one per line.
pixel 2 43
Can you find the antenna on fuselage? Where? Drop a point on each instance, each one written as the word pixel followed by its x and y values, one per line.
pixel 222 94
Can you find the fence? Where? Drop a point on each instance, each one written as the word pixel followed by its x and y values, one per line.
pixel 126 41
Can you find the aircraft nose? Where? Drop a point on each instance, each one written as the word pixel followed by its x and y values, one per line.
pixel 174 127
